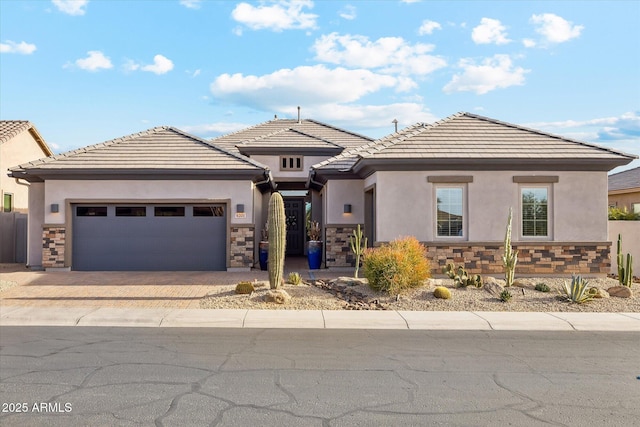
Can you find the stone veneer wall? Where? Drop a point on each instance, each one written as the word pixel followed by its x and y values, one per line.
pixel 53 240
pixel 486 258
pixel 242 247
pixel 337 250
pixel 533 258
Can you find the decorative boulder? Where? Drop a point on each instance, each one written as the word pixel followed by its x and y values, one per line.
pixel 620 292
pixel 600 293
pixel 493 287
pixel 279 296
pixel 524 283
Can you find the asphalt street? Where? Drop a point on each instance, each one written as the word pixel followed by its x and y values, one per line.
pixel 70 376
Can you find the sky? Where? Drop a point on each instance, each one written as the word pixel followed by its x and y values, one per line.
pixel 88 71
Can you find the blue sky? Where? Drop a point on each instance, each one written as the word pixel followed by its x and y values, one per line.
pixel 87 71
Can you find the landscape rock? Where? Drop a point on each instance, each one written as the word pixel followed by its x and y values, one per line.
pixel 350 281
pixel 600 293
pixel 620 292
pixel 434 282
pixel 493 287
pixel 279 296
pixel 524 283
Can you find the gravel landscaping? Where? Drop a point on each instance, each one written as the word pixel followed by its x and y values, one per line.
pixel 358 296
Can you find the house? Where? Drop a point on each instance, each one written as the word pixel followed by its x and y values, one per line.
pixel 624 190
pixel 162 199
pixel 451 184
pixel 20 142
pixel 166 200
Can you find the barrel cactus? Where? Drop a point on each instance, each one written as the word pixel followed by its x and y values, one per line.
pixel 277 240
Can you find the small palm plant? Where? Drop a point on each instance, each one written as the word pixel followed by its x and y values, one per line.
pixel 577 291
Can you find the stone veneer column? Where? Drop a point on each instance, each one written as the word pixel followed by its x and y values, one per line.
pixel 53 240
pixel 337 248
pixel 242 247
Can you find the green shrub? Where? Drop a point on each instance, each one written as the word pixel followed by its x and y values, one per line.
pixel 577 291
pixel 244 288
pixel 400 265
pixel 617 214
pixel 542 287
pixel 442 292
pixel 294 279
pixel 505 295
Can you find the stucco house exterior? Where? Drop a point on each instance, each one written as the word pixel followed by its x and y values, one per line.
pixel 451 184
pixel 624 190
pixel 166 200
pixel 20 142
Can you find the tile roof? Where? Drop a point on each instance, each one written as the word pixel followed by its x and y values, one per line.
pixel 311 128
pixel 465 136
pixel 160 148
pixel 286 138
pixel 12 128
pixel 625 180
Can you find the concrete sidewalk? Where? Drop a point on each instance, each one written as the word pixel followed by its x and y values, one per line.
pixel 317 319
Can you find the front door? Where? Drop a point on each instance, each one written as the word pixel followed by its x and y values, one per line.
pixel 294 214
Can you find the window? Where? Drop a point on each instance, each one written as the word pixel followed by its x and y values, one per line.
pixel 535 209
pixel 91 211
pixel 635 208
pixel 208 211
pixel 450 211
pixel 169 211
pixel 292 163
pixel 131 211
pixel 8 202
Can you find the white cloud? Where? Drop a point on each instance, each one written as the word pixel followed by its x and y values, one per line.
pixel 529 43
pixel 281 15
pixel 219 128
pixel 305 85
pixel 428 27
pixel 22 48
pixel 389 54
pixel 191 4
pixel 493 73
pixel 161 65
pixel 620 127
pixel 490 31
pixel 554 28
pixel 348 12
pixel 94 61
pixel 71 7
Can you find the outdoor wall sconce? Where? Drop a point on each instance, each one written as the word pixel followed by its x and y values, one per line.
pixel 240 208
pixel 55 208
pixel 347 208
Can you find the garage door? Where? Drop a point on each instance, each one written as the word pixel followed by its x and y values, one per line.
pixel 149 237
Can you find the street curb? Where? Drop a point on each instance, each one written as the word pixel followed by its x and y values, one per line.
pixel 319 319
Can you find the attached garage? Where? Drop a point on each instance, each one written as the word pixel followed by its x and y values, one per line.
pixel 129 237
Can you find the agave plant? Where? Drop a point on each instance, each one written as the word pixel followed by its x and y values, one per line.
pixel 578 290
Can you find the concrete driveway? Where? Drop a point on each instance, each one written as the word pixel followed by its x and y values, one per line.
pixel 116 289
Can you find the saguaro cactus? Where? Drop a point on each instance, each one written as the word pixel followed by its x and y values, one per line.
pixel 357 246
pixel 625 274
pixel 277 240
pixel 510 257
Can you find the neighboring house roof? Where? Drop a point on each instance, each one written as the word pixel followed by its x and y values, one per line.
pixel 162 150
pixel 628 180
pixel 311 128
pixel 9 129
pixel 289 139
pixel 469 140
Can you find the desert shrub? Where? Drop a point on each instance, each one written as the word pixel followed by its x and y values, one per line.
pixel 577 291
pixel 505 295
pixel 244 288
pixel 400 265
pixel 617 214
pixel 294 279
pixel 542 287
pixel 462 279
pixel 442 292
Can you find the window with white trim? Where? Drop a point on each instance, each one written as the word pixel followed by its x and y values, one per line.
pixel 535 211
pixel 450 211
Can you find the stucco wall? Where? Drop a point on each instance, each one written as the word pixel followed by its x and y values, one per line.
pixel 405 205
pixel 58 191
pixel 35 223
pixel 339 193
pixel 273 162
pixel 630 232
pixel 21 149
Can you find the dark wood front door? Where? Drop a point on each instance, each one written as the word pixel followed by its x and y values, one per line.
pixel 294 214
